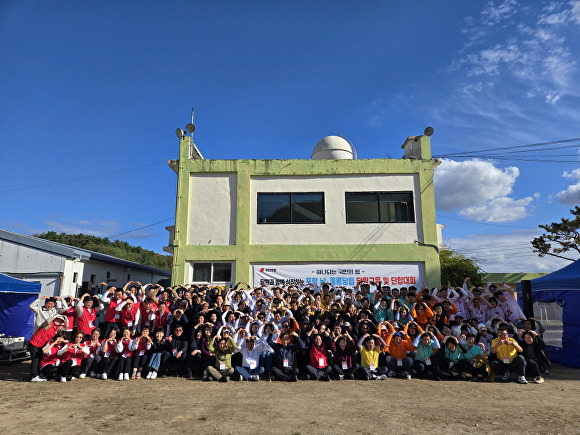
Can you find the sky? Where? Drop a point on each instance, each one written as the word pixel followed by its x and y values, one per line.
pixel 91 94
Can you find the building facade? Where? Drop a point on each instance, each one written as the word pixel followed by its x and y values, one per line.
pixel 328 219
pixel 64 270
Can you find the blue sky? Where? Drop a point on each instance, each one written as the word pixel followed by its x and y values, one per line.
pixel 91 94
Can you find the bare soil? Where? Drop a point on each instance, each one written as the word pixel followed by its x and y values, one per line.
pixel 398 406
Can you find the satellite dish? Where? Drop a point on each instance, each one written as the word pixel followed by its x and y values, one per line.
pixel 429 131
pixel 190 128
pixel 179 133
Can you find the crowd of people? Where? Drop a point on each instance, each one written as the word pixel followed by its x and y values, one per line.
pixel 366 332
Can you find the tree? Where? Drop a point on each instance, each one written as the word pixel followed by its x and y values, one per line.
pixel 561 237
pixel 115 248
pixel 456 267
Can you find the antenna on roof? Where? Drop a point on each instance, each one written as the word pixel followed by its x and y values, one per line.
pixel 191 126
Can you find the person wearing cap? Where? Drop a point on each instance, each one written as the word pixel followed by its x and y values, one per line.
pixel 86 315
pixel 46 307
pixel 41 338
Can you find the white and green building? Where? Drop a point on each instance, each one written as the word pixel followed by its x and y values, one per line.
pixel 332 218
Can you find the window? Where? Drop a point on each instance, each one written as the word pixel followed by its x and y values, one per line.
pixel 291 208
pixel 376 207
pixel 212 272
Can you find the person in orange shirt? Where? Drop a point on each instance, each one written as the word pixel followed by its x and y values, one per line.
pixel 385 330
pixel 399 360
pixel 422 314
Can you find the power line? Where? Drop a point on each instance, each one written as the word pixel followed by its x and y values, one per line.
pixel 512 147
pixel 140 228
pixel 484 223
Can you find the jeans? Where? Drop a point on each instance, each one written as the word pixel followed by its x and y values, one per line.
pixel 246 372
pixel 406 364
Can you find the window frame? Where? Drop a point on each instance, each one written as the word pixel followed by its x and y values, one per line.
pixel 291 195
pixel 377 194
pixel 211 272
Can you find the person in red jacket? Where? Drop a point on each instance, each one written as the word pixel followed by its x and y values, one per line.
pixel 318 368
pixel 41 338
pixel 113 297
pixel 125 355
pixel 86 315
pixel 71 357
pixel 50 360
pixel 93 359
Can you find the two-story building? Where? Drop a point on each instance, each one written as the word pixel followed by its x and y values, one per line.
pixel 332 218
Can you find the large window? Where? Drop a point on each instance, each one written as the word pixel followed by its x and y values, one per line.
pixel 212 273
pixel 375 207
pixel 291 208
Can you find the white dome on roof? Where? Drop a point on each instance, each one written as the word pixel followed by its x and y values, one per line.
pixel 333 148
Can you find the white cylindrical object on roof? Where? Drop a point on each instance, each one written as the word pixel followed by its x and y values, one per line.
pixel 333 148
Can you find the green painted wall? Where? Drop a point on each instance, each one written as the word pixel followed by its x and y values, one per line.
pixel 243 253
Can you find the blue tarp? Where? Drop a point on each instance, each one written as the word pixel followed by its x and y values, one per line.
pixel 563 287
pixel 16 318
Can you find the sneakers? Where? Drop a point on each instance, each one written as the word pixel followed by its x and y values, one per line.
pixel 407 374
pixel 133 376
pixel 126 376
pixel 538 380
pixel 93 375
pixel 205 376
pixel 138 375
pixel 149 375
pixel 104 376
pixel 381 377
pixel 225 379
pixel 506 376
pixel 120 377
pixel 522 380
pixel 341 377
pixel 82 375
pixel 63 379
pixel 153 375
pixel 38 379
pixel 391 374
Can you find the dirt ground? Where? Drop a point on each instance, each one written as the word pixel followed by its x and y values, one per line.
pixel 398 406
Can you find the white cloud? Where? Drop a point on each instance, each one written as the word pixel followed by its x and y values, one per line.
pixel 501 209
pixel 534 51
pixel 503 253
pixel 479 190
pixel 571 196
pixel 493 14
pixel 575 11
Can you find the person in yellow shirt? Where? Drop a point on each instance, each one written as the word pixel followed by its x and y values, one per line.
pixel 369 354
pixel 507 359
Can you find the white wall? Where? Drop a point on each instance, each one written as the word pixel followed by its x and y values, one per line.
pixel 335 230
pixel 212 209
